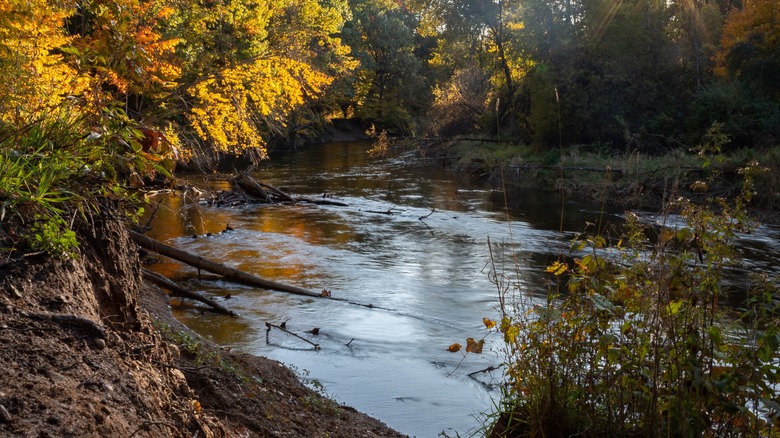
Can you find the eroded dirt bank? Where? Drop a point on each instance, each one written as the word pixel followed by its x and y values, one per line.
pixel 88 350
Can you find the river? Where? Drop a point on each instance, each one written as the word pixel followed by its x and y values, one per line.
pixel 424 268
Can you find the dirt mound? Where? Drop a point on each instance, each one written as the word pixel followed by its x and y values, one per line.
pixel 89 350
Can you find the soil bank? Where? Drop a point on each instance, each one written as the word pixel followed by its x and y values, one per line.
pixel 89 350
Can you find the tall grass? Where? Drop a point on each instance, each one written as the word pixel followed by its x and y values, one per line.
pixel 58 168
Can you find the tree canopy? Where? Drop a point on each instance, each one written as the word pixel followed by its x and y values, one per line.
pixel 233 75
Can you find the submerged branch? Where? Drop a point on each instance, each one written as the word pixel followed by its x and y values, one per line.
pixel 164 282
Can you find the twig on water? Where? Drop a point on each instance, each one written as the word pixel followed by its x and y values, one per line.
pixel 484 370
pixel 427 215
pixel 269 326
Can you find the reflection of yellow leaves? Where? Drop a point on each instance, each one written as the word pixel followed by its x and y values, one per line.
pixel 557 268
pixel 454 348
pixel 325 293
pixel 489 323
pixel 473 346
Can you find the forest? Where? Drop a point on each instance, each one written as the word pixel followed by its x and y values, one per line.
pixel 241 75
pixel 98 96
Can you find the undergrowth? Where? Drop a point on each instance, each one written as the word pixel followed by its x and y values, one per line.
pixel 59 168
pixel 634 337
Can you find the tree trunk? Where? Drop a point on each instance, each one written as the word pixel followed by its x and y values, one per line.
pixel 227 272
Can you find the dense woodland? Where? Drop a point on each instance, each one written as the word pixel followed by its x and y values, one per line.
pixel 236 75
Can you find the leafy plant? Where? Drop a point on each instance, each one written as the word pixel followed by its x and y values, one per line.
pixel 53 237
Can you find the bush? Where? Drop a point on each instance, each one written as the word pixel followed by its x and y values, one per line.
pixel 634 340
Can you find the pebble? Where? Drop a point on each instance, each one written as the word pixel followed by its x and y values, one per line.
pixel 15 292
pixel 5 417
pixel 100 344
pixel 174 351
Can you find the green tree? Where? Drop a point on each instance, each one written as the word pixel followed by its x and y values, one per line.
pixel 390 85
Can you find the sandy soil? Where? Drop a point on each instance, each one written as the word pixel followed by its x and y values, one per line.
pixel 89 350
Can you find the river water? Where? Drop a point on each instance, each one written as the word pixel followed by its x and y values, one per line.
pixel 426 278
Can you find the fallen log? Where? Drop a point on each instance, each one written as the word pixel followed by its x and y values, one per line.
pixel 162 281
pixel 276 191
pixel 264 192
pixel 320 201
pixel 251 187
pixel 227 272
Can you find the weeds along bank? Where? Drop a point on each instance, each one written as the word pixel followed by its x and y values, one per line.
pixel 627 180
pixel 635 337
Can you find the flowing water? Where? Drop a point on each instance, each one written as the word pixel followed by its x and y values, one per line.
pixel 424 268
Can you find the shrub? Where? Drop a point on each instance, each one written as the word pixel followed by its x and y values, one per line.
pixel 634 338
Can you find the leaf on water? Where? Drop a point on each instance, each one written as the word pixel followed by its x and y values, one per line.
pixel 473 346
pixel 454 348
pixel 489 323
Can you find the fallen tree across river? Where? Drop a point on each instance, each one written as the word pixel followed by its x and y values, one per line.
pixel 217 268
pixel 233 274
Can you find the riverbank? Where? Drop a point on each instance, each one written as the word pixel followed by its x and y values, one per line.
pixel 630 181
pixel 90 350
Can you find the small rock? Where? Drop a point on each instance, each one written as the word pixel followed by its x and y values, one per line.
pixel 15 292
pixel 114 339
pixel 54 419
pixel 174 351
pixel 5 417
pixel 100 343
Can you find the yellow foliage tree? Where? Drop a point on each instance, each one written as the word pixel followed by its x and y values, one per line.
pixel 34 77
pixel 749 33
pixel 123 42
pixel 263 61
pixel 235 106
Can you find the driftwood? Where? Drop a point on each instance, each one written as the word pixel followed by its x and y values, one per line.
pixel 284 329
pixel 389 211
pixel 276 191
pixel 217 268
pixel 267 193
pixel 162 281
pixel 320 201
pixel 260 191
pixel 427 215
pixel 251 187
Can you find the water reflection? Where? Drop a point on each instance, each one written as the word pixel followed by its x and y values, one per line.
pixel 429 276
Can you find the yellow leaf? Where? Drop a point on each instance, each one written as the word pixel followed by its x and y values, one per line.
pixel 489 323
pixel 557 268
pixel 454 348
